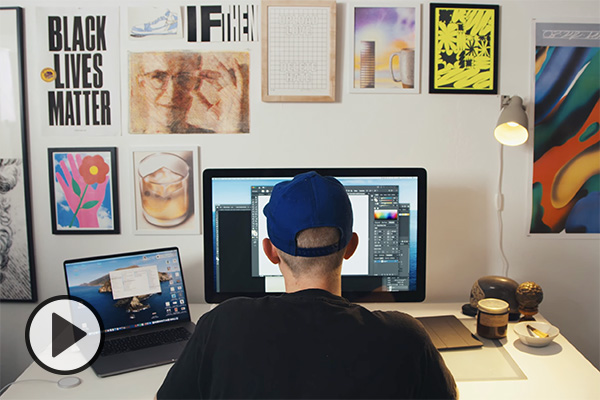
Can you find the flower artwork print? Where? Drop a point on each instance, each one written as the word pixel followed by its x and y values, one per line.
pixel 464 49
pixel 83 191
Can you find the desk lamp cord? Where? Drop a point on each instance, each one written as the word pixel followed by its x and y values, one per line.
pixel 500 208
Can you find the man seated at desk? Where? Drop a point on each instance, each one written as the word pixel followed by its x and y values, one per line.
pixel 309 342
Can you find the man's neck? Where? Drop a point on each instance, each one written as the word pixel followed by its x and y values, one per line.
pixel 330 284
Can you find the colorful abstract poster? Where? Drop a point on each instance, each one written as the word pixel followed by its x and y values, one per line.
pixel 386 56
pixel 78 66
pixel 566 158
pixel 464 48
pixel 189 92
pixel 83 190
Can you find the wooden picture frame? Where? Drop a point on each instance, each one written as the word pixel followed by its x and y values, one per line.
pixel 17 269
pixel 463 48
pixel 84 190
pixel 385 50
pixel 298 50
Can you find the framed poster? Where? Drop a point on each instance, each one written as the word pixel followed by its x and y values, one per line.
pixel 166 192
pixel 566 141
pixel 17 272
pixel 463 48
pixel 298 50
pixel 386 49
pixel 83 190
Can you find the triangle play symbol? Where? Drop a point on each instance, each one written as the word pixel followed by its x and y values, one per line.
pixel 64 334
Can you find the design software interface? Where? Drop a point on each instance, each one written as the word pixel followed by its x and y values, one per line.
pixel 384 218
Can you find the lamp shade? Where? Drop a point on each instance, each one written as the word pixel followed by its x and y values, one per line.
pixel 511 128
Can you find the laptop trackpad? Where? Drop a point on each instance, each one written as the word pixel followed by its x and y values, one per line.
pixel 138 359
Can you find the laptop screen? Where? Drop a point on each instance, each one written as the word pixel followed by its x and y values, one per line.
pixel 131 290
pixel 389 217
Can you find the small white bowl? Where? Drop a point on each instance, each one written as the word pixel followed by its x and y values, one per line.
pixel 531 339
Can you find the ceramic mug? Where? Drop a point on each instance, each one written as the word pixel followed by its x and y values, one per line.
pixel 406 67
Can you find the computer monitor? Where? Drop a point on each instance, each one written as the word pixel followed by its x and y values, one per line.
pixel 389 207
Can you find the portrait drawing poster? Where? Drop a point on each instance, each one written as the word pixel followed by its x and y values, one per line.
pixel 188 92
pixel 17 269
pixel 566 151
pixel 77 70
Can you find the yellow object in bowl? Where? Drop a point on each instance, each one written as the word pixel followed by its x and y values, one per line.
pixel 534 334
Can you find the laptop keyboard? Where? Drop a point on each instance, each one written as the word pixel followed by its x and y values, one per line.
pixel 145 340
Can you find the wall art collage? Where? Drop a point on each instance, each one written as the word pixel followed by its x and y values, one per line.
pixel 183 77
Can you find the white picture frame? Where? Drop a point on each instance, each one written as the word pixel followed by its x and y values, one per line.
pixel 383 36
pixel 164 211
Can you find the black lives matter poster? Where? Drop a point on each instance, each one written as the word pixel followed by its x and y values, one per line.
pixel 79 71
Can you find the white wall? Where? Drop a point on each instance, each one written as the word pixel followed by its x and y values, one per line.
pixel 449 135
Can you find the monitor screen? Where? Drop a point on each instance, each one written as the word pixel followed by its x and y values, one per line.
pixel 389 207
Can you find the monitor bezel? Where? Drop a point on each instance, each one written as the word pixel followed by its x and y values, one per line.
pixel 418 295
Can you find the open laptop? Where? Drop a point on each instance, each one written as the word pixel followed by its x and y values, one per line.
pixel 141 299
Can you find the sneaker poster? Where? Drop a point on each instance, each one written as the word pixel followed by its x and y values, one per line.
pixel 154 22
pixel 77 70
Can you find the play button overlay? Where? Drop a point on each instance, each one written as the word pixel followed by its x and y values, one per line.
pixel 64 335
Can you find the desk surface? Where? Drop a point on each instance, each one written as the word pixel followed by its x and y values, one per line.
pixel 557 371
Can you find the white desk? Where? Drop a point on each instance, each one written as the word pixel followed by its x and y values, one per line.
pixel 557 371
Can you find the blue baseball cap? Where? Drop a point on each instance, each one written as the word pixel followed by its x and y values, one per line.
pixel 308 201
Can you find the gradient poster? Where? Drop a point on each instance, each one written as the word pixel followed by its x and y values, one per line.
pixel 386 49
pixel 566 159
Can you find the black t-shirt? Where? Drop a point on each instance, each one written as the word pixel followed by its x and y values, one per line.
pixel 308 344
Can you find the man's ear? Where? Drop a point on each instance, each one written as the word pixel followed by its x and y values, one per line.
pixel 270 251
pixel 352 245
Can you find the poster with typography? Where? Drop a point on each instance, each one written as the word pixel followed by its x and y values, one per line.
pixel 566 156
pixel 78 66
pixel 223 23
pixel 298 50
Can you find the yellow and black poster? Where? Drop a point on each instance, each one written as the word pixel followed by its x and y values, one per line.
pixel 464 48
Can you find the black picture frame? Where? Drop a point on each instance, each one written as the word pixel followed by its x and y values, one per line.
pixel 463 48
pixel 71 181
pixel 17 263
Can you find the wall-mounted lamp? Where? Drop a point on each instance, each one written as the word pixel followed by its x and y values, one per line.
pixel 511 128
